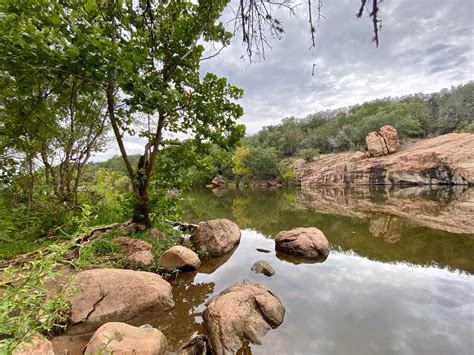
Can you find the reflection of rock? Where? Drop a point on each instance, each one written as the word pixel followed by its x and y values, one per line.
pixel 442 160
pixel 263 267
pixel 419 204
pixel 294 259
pixel 121 338
pixel 179 257
pixel 116 295
pixel 305 242
pixel 386 227
pixel 209 265
pixel 217 236
pixel 198 345
pixel 245 311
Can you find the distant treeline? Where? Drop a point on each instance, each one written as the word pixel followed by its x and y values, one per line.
pixel 270 153
pixel 414 116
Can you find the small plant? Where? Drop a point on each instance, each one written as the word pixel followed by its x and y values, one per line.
pixel 202 252
pixel 97 251
pixel 309 154
pixel 26 308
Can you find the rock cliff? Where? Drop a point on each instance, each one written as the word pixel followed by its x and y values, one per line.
pixel 444 160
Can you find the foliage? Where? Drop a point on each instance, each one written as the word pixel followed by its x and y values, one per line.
pixel 27 308
pixel 415 116
pixel 308 154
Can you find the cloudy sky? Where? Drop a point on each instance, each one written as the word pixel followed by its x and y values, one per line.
pixel 425 45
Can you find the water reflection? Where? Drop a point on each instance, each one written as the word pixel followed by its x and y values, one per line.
pixel 352 305
pixel 420 225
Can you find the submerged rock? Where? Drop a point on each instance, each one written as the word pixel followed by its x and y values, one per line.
pixel 242 312
pixel 305 242
pixel 105 295
pixel 261 250
pixel 198 345
pixel 179 257
pixel 263 267
pixel 217 236
pixel 121 338
pixel 39 345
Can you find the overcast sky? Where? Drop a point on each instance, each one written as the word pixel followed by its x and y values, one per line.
pixel 425 45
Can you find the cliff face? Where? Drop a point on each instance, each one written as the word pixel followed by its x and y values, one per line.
pixel 444 160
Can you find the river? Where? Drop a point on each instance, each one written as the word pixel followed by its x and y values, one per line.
pixel 397 281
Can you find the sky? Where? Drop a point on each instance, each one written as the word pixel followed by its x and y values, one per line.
pixel 425 46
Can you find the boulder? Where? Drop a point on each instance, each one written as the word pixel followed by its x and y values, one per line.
pixel 376 145
pixel 390 137
pixel 179 257
pixel 137 251
pixel 243 312
pixel 108 295
pixel 263 267
pixel 156 233
pixel 123 339
pixel 305 242
pixel 383 142
pixel 39 345
pixel 217 236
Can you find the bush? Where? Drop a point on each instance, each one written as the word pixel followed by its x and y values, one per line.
pixel 309 154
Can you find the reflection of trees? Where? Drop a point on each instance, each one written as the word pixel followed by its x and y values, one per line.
pixel 183 321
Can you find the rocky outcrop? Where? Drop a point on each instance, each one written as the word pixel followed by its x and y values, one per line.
pixel 107 295
pixel 122 339
pixel 444 160
pixel 217 236
pixel 303 242
pixel 383 142
pixel 263 267
pixel 179 257
pixel 242 312
pixel 39 345
pixel 137 251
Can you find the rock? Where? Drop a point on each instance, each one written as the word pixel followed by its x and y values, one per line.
pixel 156 233
pixel 390 137
pixel 144 257
pixel 376 145
pixel 131 246
pixel 218 180
pixel 444 160
pixel 243 312
pixel 263 267
pixel 383 142
pixel 121 339
pixel 108 295
pixel 305 242
pixel 217 236
pixel 137 251
pixel 39 345
pixel 179 257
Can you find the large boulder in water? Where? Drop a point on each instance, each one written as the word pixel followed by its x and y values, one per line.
pixel 217 236
pixel 121 339
pixel 179 257
pixel 108 295
pixel 243 312
pixel 305 242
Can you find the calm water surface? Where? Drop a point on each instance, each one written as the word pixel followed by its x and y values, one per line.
pixel 398 280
